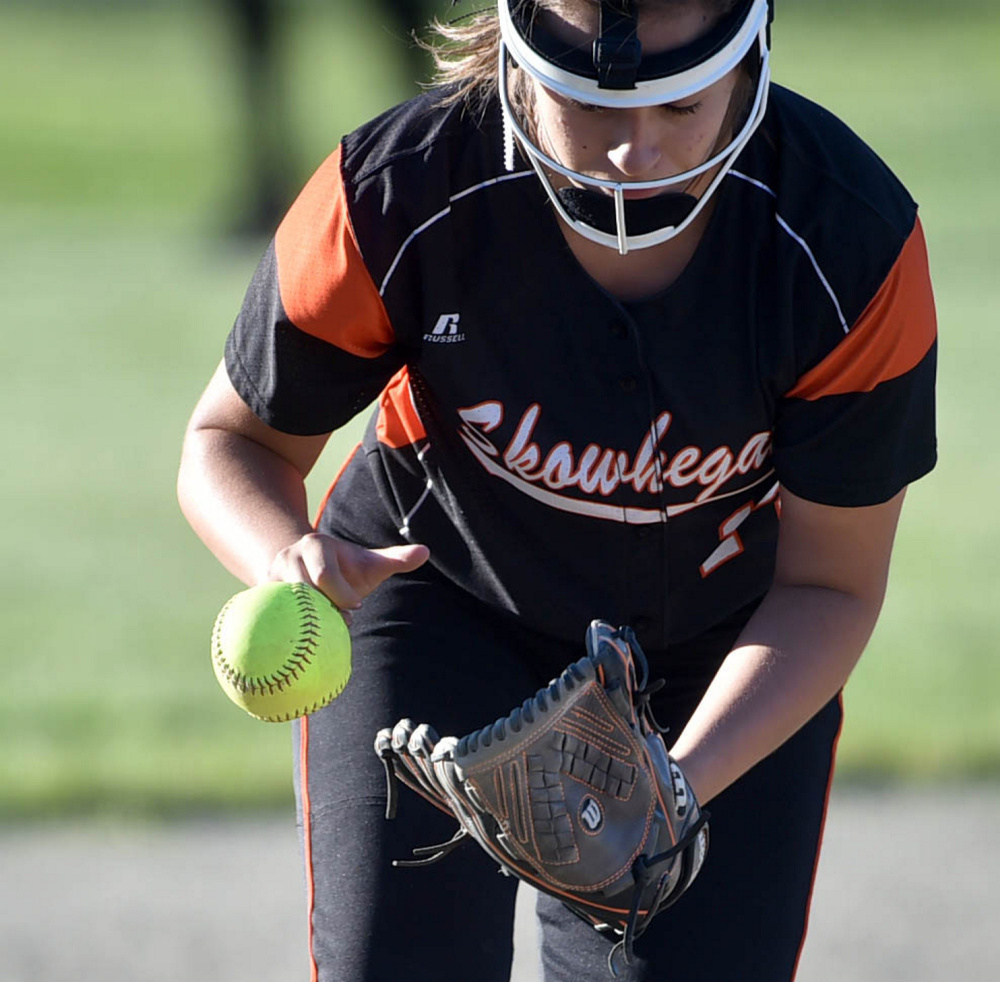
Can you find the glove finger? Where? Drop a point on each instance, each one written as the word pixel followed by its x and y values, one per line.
pixel 392 745
pixel 444 749
pixel 411 767
pixel 401 735
pixel 448 775
pixel 410 770
pixel 423 740
pixel 383 743
pixel 463 800
pixel 421 747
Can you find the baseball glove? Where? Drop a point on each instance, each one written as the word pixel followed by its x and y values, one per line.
pixel 572 792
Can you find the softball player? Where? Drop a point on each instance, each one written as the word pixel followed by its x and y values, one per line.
pixel 623 305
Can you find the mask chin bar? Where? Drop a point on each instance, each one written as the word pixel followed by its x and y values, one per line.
pixel 621 240
pixel 620 224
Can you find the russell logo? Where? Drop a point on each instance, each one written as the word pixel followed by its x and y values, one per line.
pixel 445 331
pixel 591 815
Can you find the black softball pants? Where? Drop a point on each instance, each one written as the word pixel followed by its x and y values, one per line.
pixel 424 649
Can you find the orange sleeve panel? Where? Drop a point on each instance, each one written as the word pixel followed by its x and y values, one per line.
pixel 326 289
pixel 398 424
pixel 890 338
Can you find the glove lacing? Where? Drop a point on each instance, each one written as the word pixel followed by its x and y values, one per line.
pixel 431 854
pixel 643 870
pixel 644 689
pixel 525 713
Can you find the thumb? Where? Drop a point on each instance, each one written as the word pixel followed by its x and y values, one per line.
pixel 401 559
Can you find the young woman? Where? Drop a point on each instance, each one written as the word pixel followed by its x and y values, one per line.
pixel 622 304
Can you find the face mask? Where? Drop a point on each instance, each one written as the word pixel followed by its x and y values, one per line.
pixel 615 75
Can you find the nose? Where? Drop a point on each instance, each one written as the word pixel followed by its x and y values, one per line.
pixel 636 148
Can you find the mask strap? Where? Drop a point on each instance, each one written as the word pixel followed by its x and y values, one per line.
pixel 617 51
pixel 508 145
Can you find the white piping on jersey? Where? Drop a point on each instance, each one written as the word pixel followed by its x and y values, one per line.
pixel 802 242
pixel 444 211
pixel 595 509
pixel 404 529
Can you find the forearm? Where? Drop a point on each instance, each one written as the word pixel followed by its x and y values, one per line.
pixel 246 502
pixel 794 655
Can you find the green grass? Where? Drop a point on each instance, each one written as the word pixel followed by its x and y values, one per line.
pixel 118 169
pixel 925 92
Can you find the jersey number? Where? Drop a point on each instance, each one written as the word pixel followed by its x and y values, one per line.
pixel 730 544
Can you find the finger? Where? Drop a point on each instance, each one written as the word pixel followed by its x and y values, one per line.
pixel 309 561
pixel 328 577
pixel 287 567
pixel 380 564
pixel 407 558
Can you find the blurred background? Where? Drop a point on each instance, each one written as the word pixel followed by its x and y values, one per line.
pixel 147 150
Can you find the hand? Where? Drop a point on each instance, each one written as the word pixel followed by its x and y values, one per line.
pixel 345 572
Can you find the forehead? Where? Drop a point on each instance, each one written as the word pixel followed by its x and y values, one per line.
pixel 660 28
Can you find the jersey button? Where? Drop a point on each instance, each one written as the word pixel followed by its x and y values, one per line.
pixel 628 383
pixel 643 531
pixel 619 329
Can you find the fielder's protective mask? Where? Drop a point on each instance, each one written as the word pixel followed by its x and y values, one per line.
pixel 614 73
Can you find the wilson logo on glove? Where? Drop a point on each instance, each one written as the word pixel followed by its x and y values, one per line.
pixel 591 815
pixel 573 792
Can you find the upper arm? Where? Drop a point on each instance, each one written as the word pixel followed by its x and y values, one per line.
pixel 856 423
pixel 845 549
pixel 221 408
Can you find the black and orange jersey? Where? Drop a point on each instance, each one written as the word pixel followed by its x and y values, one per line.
pixel 566 455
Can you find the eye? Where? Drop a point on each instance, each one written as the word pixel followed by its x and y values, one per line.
pixel 676 110
pixel 584 107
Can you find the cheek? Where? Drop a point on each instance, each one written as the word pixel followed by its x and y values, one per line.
pixel 703 138
pixel 570 138
pixel 697 141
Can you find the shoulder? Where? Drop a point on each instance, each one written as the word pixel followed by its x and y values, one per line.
pixel 422 152
pixel 852 347
pixel 818 167
pixel 411 156
pixel 407 166
pixel 431 127
pixel 818 150
pixel 842 217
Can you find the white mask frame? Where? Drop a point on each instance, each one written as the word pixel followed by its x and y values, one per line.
pixel 658 91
